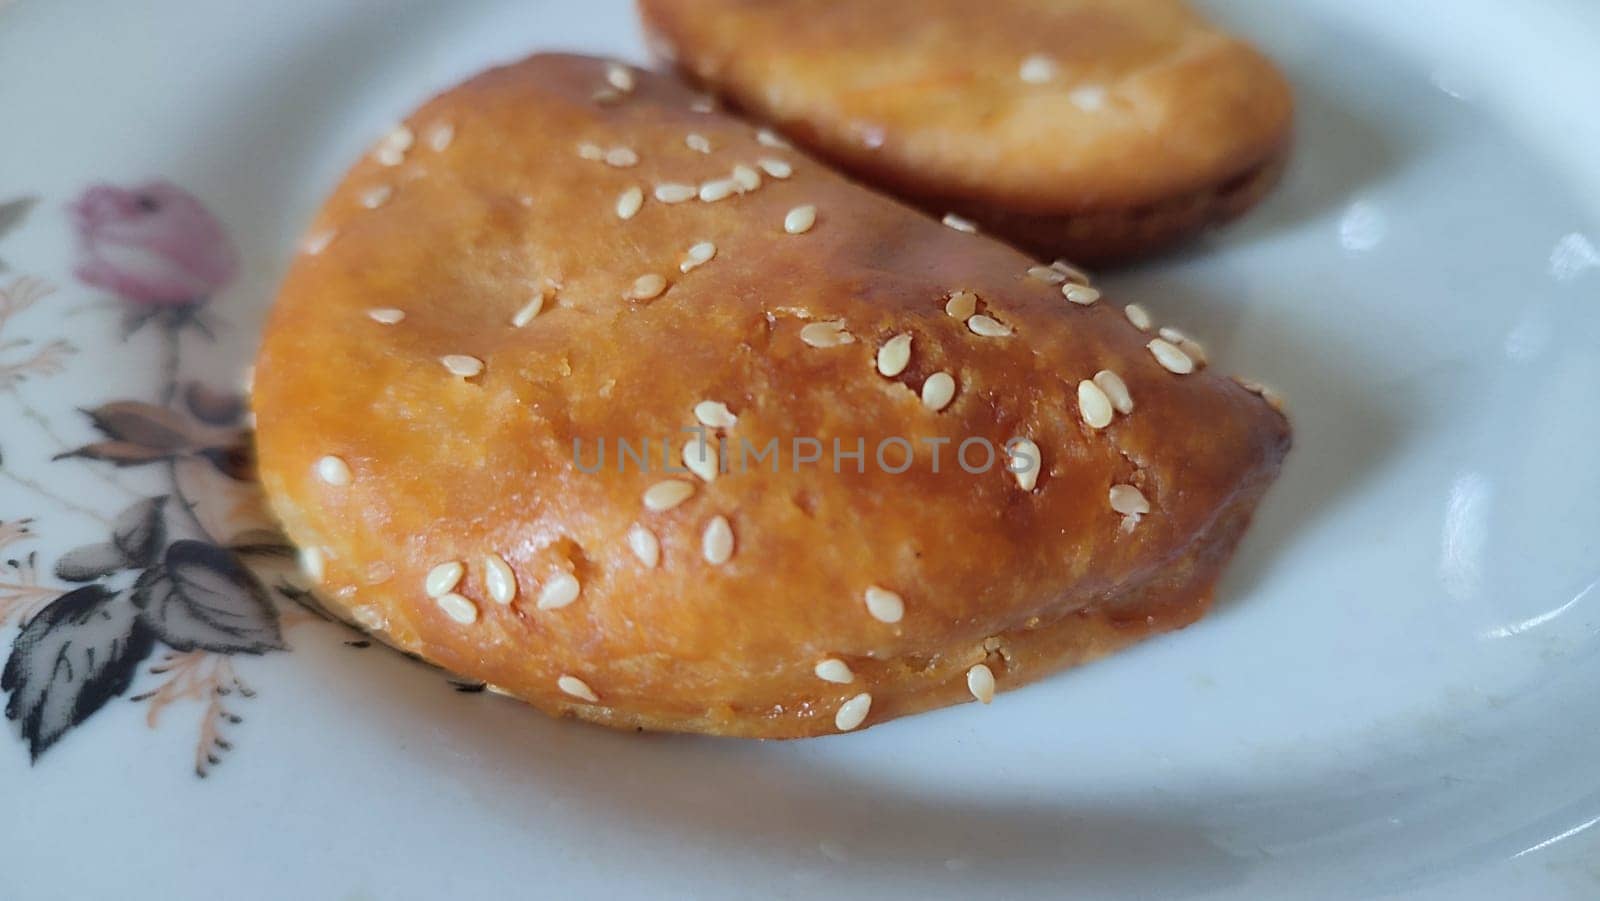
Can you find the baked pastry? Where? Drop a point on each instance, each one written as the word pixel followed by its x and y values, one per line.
pixel 1098 130
pixel 565 251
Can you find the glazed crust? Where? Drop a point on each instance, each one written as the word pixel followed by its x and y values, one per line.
pixel 445 468
pixel 1152 125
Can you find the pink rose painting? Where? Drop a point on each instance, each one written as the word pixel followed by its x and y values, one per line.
pixel 154 246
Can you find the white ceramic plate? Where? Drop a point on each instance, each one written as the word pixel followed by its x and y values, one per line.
pixel 1396 695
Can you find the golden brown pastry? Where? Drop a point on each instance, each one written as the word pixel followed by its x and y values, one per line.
pixel 565 251
pixel 1098 130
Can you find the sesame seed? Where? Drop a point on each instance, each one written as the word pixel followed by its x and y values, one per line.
pixel 717 189
pixel 701 458
pixel 766 137
pixel 317 242
pixel 1186 344
pixel 1089 98
pixel 629 202
pixel 578 688
pixel 1273 398
pixel 988 326
pixel 884 605
pixel 1116 389
pixel 440 134
pixel 1170 357
pixel 462 365
pixel 458 608
pixel 619 77
pixel 716 543
pixel 800 219
pixel 444 578
pixel 646 287
pixel 715 414
pixel 703 104
pixel 746 178
pixel 333 470
pixel 499 578
pixel 666 494
pixel 606 96
pixel 621 157
pixel 853 713
pixel 1046 274
pixel 980 681
pixel 591 151
pixel 560 590
pixel 697 256
pixel 1139 316
pixel 834 670
pixel 775 167
pixel 529 310
pixel 1094 405
pixel 392 148
pixel 960 224
pixel 1037 69
pixel 894 355
pixel 386 315
pixel 369 616
pixel 675 192
pixel 938 390
pixel 1029 460
pixel 1128 500
pixel 826 334
pixel 1082 295
pixel 644 545
pixel 312 563
pixel 698 142
pixel 1073 273
pixel 376 196
pixel 961 305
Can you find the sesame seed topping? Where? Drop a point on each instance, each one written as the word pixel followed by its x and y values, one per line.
pixel 1170 357
pixel 853 713
pixel 317 242
pixel 499 579
pixel 392 148
pixel 333 470
pixel 766 137
pixel 558 591
pixel 312 563
pixel 938 391
pixel 666 494
pixel 440 134
pixel 444 578
pixel 578 688
pixel 1073 273
pixel 591 151
pixel 716 543
pixel 529 310
pixel 894 355
pixel 701 458
pixel 834 670
pixel 1089 98
pixel 621 157
pixel 386 315
pixel 826 334
pixel 1027 461
pixel 675 192
pixel 775 167
pixel 1037 69
pixel 646 287
pixel 884 605
pixel 619 77
pixel 1128 500
pixel 458 608
pixel 644 545
pixel 980 681
pixel 1082 295
pixel 961 305
pixel 718 189
pixel 629 202
pixel 1273 398
pixel 1139 316
pixel 376 196
pixel 606 96
pixel 698 142
pixel 988 326
pixel 369 616
pixel 1046 274
pixel 746 178
pixel 462 365
pixel 703 104
pixel 800 219
pixel 697 256
pixel 1185 343
pixel 1116 389
pixel 715 414
pixel 1094 405
pixel 960 224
